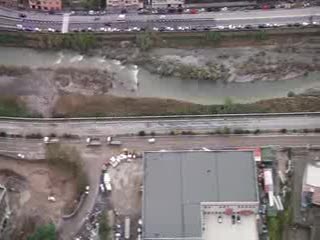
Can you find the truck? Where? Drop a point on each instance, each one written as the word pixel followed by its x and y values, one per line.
pixel 94 142
pixel 127 228
pixel 107 181
pixel 113 142
pixel 48 140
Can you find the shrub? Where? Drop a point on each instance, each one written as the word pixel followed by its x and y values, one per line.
pixel 70 136
pixel 226 130
pixel 305 130
pixel 3 134
pixel 104 228
pixel 317 130
pixel 283 130
pixel 152 133
pixel 247 131
pixel 291 94
pixel 218 131
pixel 53 135
pixel 141 133
pixel 257 131
pixel 238 131
pixel 172 133
pixel 34 136
pixel 47 232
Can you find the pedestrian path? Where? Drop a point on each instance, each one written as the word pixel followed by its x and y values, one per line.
pixel 65 23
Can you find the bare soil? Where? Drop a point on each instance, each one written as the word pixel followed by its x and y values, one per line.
pixel 30 185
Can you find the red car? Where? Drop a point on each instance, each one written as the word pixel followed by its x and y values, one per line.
pixel 194 11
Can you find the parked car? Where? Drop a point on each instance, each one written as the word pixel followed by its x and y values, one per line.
pixel 238 219
pixel 22 15
pixel 233 217
pixel 220 219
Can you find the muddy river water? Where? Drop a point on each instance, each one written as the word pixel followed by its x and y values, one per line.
pixel 141 83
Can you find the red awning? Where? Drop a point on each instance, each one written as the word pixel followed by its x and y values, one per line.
pixel 228 211
pixel 246 212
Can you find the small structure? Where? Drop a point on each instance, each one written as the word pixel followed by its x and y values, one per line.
pixel 311 185
pixel 4 208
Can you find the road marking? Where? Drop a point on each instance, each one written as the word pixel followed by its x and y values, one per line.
pixel 65 23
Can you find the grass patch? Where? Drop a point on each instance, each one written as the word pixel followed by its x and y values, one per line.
pixel 45 232
pixel 13 106
pixel 99 106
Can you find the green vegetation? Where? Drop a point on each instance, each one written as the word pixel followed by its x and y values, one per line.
pixel 11 106
pixel 93 106
pixel 213 36
pixel 144 41
pixel 281 221
pixel 45 232
pixel 104 228
pixel 261 35
pixel 80 42
pixel 11 39
pixel 13 71
pixel 68 159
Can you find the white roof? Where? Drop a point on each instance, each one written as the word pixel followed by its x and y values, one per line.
pixel 312 174
pixel 246 229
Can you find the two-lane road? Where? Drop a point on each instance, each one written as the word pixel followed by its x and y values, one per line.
pixel 92 127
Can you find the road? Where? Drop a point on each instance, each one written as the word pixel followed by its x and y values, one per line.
pixel 94 157
pixel 254 17
pixel 163 125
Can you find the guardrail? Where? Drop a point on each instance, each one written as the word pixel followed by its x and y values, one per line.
pixel 169 117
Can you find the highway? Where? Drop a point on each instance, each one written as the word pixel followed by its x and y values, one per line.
pixel 123 126
pixel 66 22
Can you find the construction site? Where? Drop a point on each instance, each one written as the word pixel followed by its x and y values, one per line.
pixel 119 189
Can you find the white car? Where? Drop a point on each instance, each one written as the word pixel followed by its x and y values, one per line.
pixel 151 140
pixel 51 30
pixel 121 16
pixel 37 29
pixel 305 24
pixel 220 27
pixel 219 219
pixel 162 16
pixel 19 26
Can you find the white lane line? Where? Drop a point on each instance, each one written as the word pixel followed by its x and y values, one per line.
pixel 65 23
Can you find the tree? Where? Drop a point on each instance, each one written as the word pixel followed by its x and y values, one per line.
pixel 104 228
pixel 45 232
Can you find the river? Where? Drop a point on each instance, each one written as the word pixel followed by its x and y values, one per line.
pixel 140 83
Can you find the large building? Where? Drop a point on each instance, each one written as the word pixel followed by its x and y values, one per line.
pixel 46 5
pixel 199 195
pixel 9 3
pixel 166 3
pixel 122 4
pixel 4 208
pixel 311 185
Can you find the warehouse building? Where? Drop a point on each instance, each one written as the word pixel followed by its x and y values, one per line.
pixel 200 195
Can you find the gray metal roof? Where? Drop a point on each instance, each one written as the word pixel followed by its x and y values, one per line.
pixel 175 183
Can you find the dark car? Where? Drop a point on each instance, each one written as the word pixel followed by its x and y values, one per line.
pixel 233 217
pixel 22 15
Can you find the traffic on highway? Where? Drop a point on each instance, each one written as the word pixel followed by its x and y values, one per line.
pixel 164 22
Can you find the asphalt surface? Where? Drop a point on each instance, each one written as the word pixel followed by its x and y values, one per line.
pixel 210 19
pixel 163 126
pixel 94 157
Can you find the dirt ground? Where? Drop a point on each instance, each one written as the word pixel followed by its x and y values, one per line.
pixel 29 186
pixel 126 195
